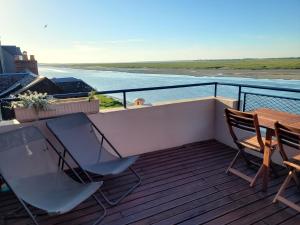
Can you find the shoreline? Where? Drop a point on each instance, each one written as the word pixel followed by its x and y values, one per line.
pixel 285 74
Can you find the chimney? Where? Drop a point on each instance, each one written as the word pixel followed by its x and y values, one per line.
pixel 25 56
pixel 23 63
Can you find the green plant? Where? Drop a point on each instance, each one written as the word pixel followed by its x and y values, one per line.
pixel 34 100
pixel 92 96
pixel 107 102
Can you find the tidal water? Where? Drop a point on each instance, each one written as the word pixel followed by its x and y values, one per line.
pixel 112 80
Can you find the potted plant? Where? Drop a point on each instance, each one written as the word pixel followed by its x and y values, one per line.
pixel 33 106
pixel 92 96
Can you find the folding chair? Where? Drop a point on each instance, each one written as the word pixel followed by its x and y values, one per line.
pixel 33 175
pixel 245 122
pixel 78 135
pixel 288 136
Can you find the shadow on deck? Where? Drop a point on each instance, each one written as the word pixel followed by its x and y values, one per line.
pixel 183 185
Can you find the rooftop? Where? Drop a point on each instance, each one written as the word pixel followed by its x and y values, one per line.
pixel 186 185
pixel 12 49
pixel 9 79
pixel 65 79
pixel 10 83
pixel 17 83
pixel 72 85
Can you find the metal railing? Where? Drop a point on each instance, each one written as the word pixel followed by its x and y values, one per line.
pixel 242 96
pixel 253 101
pixel 125 91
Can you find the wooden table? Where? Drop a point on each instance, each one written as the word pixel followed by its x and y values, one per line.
pixel 267 119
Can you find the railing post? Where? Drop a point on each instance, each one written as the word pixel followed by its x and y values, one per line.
pixel 244 102
pixel 0 109
pixel 216 89
pixel 239 98
pixel 124 100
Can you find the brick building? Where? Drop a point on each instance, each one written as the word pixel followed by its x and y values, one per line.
pixel 12 60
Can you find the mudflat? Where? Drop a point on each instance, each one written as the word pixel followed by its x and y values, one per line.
pixel 287 74
pixel 270 68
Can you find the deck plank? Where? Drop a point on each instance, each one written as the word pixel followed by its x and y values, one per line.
pixel 182 185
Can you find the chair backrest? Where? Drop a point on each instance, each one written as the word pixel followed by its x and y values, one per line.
pixel 243 121
pixel 76 133
pixel 287 135
pixel 24 153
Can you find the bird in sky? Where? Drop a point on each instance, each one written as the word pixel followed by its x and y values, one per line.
pixel 46 25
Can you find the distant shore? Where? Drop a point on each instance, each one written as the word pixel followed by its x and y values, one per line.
pixel 287 74
pixel 277 68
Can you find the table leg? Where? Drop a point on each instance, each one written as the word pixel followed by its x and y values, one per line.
pixel 267 160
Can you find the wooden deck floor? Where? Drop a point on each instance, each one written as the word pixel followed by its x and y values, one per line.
pixel 183 185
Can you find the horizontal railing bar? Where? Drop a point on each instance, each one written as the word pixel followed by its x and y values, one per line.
pixel 162 87
pixel 83 94
pixel 260 87
pixel 272 96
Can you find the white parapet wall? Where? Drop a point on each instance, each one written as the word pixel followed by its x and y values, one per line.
pixel 221 128
pixel 145 129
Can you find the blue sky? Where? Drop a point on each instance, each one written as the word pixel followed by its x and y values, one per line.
pixel 147 30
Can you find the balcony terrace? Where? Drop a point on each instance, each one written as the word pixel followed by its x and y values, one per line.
pixel 183 185
pixel 185 148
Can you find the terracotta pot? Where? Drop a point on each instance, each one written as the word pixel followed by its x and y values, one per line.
pixel 61 107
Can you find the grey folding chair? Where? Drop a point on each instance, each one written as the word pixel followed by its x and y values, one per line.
pixel 78 135
pixel 36 179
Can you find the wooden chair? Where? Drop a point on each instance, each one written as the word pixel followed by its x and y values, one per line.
pixel 288 136
pixel 245 122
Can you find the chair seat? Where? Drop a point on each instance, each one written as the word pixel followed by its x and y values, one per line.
pixel 252 143
pixel 296 158
pixel 293 162
pixel 112 167
pixel 55 193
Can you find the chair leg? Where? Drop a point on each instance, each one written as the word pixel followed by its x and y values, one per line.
pixel 104 210
pixel 283 186
pixel 113 203
pixel 33 218
pixel 282 199
pixel 253 182
pixel 235 171
pixel 233 161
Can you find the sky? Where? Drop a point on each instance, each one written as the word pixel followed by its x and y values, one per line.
pixel 83 31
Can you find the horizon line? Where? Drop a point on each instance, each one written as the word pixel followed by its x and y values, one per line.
pixel 180 60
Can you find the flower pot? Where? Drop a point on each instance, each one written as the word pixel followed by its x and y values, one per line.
pixel 58 108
